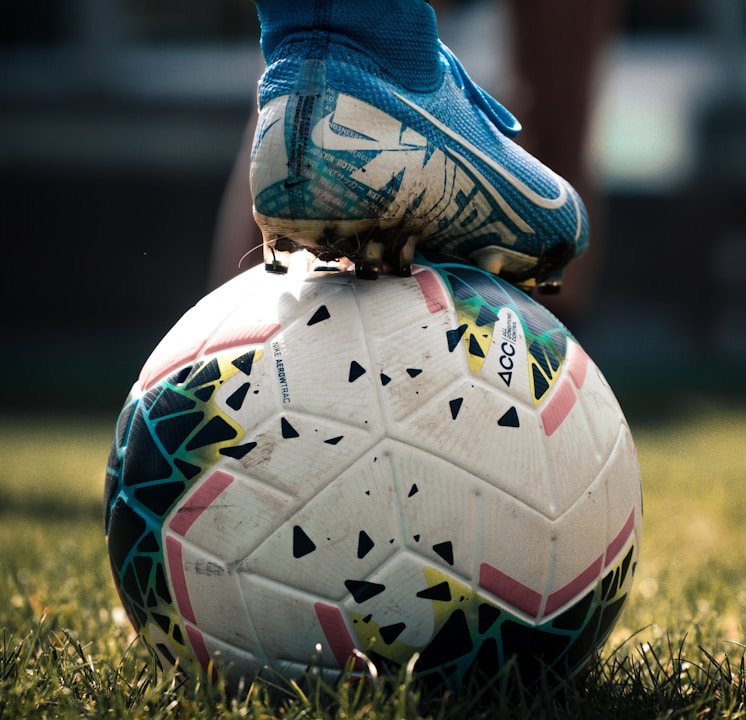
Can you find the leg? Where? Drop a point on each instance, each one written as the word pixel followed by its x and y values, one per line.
pixel 237 243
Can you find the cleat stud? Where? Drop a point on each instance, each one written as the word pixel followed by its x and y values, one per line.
pixel 275 261
pixel 549 288
pixel 371 260
pixel 366 272
pixel 552 285
pixel 372 253
pixel 490 259
pixel 276 268
pixel 406 257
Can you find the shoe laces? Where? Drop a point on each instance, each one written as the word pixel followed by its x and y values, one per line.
pixel 496 113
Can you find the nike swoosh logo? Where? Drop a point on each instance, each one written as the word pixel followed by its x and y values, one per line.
pixel 294 183
pixel 539 200
pixel 381 132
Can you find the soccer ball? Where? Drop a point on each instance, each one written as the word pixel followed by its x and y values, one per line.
pixel 311 465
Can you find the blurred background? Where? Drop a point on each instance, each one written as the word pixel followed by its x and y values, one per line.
pixel 120 121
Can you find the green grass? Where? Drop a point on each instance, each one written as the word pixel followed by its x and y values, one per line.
pixel 67 651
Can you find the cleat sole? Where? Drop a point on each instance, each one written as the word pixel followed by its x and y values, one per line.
pixel 388 246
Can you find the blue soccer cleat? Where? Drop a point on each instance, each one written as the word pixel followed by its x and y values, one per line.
pixel 349 162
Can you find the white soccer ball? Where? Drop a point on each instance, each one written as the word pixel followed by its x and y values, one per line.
pixel 426 465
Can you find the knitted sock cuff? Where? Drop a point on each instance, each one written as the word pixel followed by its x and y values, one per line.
pixel 400 35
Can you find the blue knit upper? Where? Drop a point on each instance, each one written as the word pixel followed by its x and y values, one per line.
pixel 399 36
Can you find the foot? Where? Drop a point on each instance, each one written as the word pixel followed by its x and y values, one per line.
pixel 349 163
